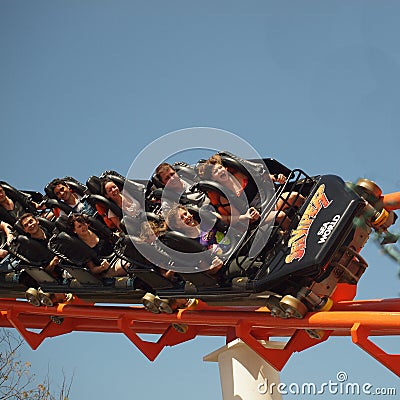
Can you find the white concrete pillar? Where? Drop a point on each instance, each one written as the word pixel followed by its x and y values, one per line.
pixel 244 374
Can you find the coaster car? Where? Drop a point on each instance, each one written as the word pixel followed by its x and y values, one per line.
pixel 301 265
pixel 295 271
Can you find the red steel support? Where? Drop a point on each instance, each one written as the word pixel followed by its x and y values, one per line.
pixel 358 319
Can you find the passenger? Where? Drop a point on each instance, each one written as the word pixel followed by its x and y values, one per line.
pixel 128 204
pixel 17 207
pixel 33 229
pixel 180 219
pixel 246 181
pixel 177 189
pixel 14 208
pixel 236 183
pixel 62 191
pixel 99 266
pixel 149 232
pixel 11 210
pixel 229 213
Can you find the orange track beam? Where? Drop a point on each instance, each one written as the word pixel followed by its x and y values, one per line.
pixel 358 319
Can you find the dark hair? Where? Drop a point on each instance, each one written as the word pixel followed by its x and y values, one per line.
pixel 72 218
pixel 103 185
pixel 25 215
pixel 215 159
pixel 158 228
pixel 162 167
pixel 55 182
pixel 205 168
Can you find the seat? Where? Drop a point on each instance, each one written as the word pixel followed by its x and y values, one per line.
pixel 185 171
pixel 97 226
pixel 155 188
pixel 82 275
pixel 259 188
pixel 33 256
pixel 131 187
pixel 77 187
pixel 140 264
pixel 102 203
pixel 17 196
pixel 47 224
pixel 179 242
pixel 74 255
pixel 207 186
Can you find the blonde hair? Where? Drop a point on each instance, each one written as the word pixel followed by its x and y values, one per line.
pixel 173 217
pixel 157 228
pixel 205 169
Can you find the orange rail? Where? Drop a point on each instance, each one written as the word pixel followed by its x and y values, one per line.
pixel 357 319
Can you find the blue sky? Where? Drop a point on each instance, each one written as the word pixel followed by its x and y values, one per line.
pixel 86 85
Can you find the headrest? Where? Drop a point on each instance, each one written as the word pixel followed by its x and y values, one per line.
pixel 156 194
pixel 134 189
pixel 10 190
pixel 125 249
pixel 107 203
pixel 76 186
pixel 132 224
pixel 274 166
pixel 112 173
pixel 54 203
pixel 156 182
pixel 212 186
pixel 45 223
pixel 186 172
pixel 19 196
pixel 94 224
pixel 179 242
pixel 94 184
pixel 6 217
pixel 208 218
pixel 71 249
pixel 49 192
pixel 62 224
pixel 100 228
pixel 231 162
pixel 30 251
pixel 116 177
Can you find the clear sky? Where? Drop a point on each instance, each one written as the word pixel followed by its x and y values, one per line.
pixel 86 85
